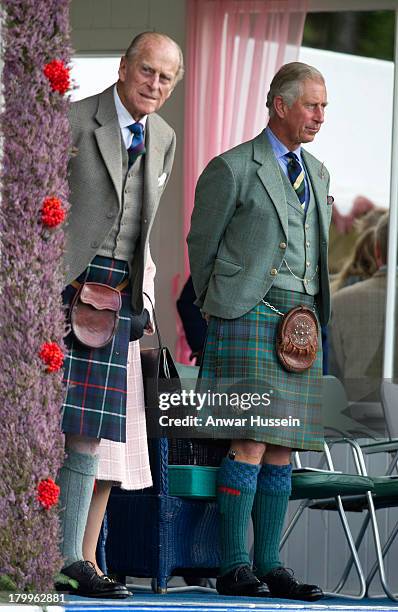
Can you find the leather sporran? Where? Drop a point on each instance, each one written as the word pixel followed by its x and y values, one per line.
pixel 297 339
pixel 94 314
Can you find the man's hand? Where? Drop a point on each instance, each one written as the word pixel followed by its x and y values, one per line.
pixel 206 317
pixel 138 324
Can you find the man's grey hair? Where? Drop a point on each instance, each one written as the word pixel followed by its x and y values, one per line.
pixel 381 236
pixel 137 42
pixel 288 83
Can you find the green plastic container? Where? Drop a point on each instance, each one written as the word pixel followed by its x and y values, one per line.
pixel 192 481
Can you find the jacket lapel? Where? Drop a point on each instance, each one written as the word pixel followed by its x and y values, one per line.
pixel 109 139
pixel 319 186
pixel 269 175
pixel 153 165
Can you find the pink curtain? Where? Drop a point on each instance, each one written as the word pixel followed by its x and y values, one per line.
pixel 234 48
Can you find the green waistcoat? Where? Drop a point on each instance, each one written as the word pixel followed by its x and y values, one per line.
pixel 302 250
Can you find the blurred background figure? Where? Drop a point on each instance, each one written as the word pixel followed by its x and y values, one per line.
pixel 360 265
pixel 351 253
pixel 346 229
pixel 356 331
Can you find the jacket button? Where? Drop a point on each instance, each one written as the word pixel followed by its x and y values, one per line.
pixel 94 244
pixel 145 220
pixel 282 245
pixel 110 215
pixel 274 272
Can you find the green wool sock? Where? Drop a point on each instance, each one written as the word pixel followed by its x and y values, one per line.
pixel 236 487
pixel 269 510
pixel 76 481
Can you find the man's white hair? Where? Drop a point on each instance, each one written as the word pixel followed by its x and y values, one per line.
pixel 288 83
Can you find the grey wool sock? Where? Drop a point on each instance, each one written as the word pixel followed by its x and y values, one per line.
pixel 76 481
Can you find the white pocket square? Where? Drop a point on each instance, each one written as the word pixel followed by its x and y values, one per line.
pixel 162 179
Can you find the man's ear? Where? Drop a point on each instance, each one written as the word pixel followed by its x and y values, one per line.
pixel 122 68
pixel 279 106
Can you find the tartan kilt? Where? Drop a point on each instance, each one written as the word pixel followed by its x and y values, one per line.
pixel 240 357
pixel 96 379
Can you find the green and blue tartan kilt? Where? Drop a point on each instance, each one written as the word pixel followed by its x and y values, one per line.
pixel 239 359
pixel 96 379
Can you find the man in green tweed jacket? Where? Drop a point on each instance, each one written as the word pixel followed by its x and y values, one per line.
pixel 258 247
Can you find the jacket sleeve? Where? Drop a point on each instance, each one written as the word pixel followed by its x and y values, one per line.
pixel 215 204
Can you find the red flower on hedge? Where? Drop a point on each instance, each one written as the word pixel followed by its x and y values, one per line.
pixel 52 355
pixel 58 75
pixel 52 213
pixel 47 493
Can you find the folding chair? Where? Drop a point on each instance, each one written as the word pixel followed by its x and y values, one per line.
pixel 385 489
pixel 312 486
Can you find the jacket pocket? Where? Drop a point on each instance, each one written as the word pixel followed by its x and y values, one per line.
pixel 226 268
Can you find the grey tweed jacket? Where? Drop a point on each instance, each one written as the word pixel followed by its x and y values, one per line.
pixel 96 184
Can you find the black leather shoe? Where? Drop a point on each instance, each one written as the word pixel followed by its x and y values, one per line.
pixel 241 582
pixel 110 579
pixel 283 584
pixel 91 584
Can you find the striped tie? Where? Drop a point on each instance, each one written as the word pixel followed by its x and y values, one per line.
pixel 137 146
pixel 296 176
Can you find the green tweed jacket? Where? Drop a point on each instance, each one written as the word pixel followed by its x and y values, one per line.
pixel 239 229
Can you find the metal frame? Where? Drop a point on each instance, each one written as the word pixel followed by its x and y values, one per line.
pixel 371 517
pixel 381 552
pixel 353 545
pixel 327 459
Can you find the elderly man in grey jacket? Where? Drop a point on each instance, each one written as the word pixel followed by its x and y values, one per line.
pixel 123 159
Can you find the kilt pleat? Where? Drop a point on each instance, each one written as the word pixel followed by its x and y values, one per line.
pixel 96 379
pixel 239 359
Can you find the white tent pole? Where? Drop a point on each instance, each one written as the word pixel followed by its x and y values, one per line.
pixel 390 331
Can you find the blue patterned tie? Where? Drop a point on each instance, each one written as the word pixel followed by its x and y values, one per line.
pixel 296 176
pixel 137 146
